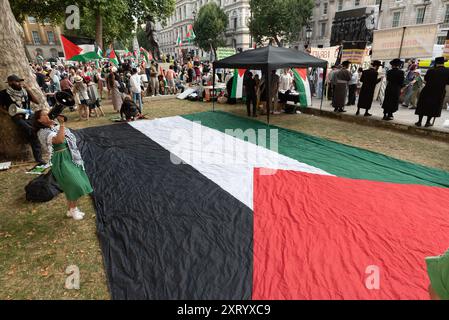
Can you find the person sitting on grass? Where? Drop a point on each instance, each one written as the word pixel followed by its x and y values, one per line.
pixel 129 110
pixel 438 271
pixel 67 164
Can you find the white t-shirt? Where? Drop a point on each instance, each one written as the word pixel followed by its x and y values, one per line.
pixel 285 82
pixel 135 83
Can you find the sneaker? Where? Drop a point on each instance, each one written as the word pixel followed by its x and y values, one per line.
pixel 76 214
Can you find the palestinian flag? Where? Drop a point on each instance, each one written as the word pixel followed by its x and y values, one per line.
pixel 237 83
pixel 79 49
pixel 145 54
pixel 215 206
pixel 113 57
pixel 179 41
pixel 302 86
pixel 190 33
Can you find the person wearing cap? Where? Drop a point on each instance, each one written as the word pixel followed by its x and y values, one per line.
pixel 395 81
pixel 438 272
pixel 430 102
pixel 80 90
pixel 341 80
pixel 19 95
pixel 370 78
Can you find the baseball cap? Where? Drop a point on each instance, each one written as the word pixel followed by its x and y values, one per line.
pixel 14 77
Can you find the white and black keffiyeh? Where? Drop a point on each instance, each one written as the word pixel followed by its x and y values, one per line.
pixel 46 136
pixel 19 97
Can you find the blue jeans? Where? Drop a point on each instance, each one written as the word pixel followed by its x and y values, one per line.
pixel 138 97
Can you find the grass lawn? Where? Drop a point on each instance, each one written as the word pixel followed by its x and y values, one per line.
pixel 37 241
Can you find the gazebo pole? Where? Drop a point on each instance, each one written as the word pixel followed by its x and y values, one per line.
pixel 213 88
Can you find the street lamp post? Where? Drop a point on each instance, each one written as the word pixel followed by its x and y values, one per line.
pixel 308 37
pixel 426 3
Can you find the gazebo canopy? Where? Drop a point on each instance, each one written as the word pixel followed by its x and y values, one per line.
pixel 270 58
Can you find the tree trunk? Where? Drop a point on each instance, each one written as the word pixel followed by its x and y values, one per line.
pixel 13 60
pixel 99 29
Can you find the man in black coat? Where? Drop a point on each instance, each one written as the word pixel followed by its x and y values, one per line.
pixel 250 90
pixel 369 81
pixel 431 99
pixel 395 81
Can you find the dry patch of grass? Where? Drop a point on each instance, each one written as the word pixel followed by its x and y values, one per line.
pixel 37 241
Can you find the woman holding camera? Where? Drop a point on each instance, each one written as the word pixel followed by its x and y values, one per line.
pixel 67 164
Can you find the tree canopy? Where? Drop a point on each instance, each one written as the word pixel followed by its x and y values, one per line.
pixel 107 20
pixel 278 20
pixel 210 27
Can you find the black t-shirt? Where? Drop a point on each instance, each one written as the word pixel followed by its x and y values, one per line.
pixel 40 78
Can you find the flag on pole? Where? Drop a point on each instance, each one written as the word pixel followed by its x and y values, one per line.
pixel 145 54
pixel 302 86
pixel 237 83
pixel 179 40
pixel 113 57
pixel 79 49
pixel 190 33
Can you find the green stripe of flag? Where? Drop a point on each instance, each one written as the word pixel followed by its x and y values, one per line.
pixel 335 158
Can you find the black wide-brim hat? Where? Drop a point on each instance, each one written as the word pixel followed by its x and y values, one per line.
pixel 396 62
pixel 439 60
pixel 376 63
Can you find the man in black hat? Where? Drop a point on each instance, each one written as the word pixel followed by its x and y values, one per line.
pixel 341 79
pixel 395 81
pixel 430 102
pixel 19 95
pixel 369 81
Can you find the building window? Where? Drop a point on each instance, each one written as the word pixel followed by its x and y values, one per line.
pixel 441 40
pixel 340 5
pixel 235 23
pixel 356 3
pixel 446 15
pixel 378 2
pixel 325 5
pixel 323 30
pixel 51 37
pixel 396 18
pixel 419 15
pixel 31 19
pixel 36 37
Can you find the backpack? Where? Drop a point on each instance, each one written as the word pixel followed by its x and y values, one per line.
pixel 121 87
pixel 42 189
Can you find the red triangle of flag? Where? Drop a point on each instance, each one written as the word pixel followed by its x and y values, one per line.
pixel 241 72
pixel 70 49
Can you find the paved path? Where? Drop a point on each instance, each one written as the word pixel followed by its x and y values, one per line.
pixel 403 116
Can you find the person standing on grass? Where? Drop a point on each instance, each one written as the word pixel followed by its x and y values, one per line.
pixel 154 80
pixel 352 87
pixel 369 80
pixel 67 164
pixel 395 81
pixel 80 90
pixel 251 97
pixel 430 102
pixel 136 88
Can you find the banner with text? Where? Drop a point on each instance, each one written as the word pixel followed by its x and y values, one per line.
pixel 329 54
pixel 224 53
pixel 354 52
pixel 417 42
pixel 446 47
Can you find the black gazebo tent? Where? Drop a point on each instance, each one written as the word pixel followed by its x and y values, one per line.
pixel 267 59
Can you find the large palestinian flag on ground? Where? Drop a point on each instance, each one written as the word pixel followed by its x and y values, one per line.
pixel 80 49
pixel 214 206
